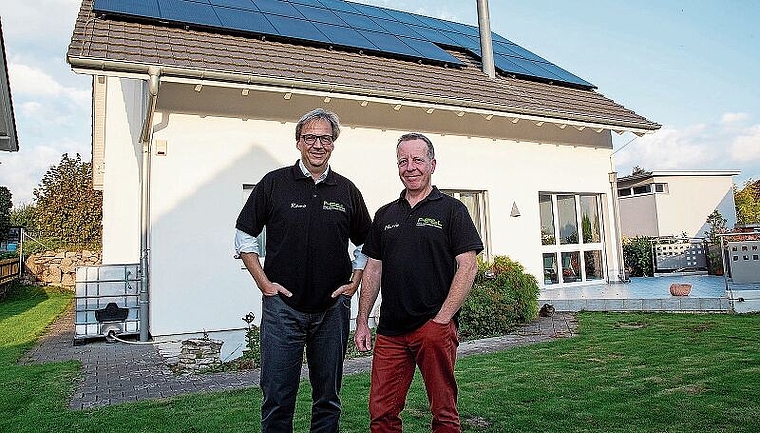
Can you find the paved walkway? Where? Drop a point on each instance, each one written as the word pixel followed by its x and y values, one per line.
pixel 114 373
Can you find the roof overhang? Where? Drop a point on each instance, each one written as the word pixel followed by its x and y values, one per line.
pixel 329 90
pixel 8 134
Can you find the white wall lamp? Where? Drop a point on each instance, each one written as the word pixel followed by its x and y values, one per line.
pixel 515 211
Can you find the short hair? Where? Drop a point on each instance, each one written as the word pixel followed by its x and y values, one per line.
pixel 319 114
pixel 418 136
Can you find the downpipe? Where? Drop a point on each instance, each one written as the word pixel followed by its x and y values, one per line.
pixel 146 136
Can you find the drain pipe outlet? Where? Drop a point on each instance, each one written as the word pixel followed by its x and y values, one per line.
pixel 146 136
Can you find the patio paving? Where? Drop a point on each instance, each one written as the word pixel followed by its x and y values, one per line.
pixel 708 294
pixel 115 373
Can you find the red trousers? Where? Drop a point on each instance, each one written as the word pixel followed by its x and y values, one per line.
pixel 432 347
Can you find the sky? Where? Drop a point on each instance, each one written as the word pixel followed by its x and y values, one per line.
pixel 689 65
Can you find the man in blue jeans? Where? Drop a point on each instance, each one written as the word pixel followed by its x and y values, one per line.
pixel 310 213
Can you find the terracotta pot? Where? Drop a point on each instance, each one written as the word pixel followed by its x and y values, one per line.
pixel 680 289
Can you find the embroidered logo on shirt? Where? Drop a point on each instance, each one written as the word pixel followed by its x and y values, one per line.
pixel 330 205
pixel 390 226
pixel 429 222
pixel 297 206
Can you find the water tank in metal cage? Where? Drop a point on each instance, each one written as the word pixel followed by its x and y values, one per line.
pixel 106 301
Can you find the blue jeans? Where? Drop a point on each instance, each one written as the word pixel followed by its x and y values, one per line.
pixel 285 333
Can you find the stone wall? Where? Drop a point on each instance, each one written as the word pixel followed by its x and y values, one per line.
pixel 57 268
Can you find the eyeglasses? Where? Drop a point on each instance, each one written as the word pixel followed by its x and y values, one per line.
pixel 311 139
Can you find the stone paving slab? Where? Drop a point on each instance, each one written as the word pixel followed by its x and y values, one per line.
pixel 114 373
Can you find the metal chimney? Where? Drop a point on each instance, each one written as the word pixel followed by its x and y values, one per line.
pixel 486 44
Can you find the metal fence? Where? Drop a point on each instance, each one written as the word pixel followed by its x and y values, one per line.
pixel 679 255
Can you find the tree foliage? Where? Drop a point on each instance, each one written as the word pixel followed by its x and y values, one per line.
pixel 637 255
pixel 5 211
pixel 67 208
pixel 639 171
pixel 23 216
pixel 747 202
pixel 717 226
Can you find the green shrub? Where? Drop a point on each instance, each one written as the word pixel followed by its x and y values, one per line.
pixel 251 357
pixel 637 255
pixel 503 296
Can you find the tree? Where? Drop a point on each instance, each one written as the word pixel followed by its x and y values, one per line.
pixel 747 202
pixel 5 211
pixel 717 226
pixel 639 171
pixel 23 216
pixel 67 207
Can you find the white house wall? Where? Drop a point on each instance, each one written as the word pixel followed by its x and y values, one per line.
pixel 638 215
pixel 121 176
pixel 212 150
pixel 690 200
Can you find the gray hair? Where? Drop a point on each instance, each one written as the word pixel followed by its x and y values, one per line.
pixel 418 136
pixel 319 114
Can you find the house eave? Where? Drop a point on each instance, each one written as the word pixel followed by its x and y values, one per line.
pixel 86 65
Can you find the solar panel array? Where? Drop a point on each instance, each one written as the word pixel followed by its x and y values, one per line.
pixel 344 24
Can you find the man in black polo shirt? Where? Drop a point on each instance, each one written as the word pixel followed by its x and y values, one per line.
pixel 310 213
pixel 423 249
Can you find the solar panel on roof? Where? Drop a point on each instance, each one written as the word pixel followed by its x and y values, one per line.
pixel 435 36
pixel 372 11
pixel 144 8
pixel 359 22
pixel 316 3
pixel 237 4
pixel 389 43
pixel 338 5
pixel 243 20
pixel 429 50
pixel 345 36
pixel 320 15
pixel 277 7
pixel 345 24
pixel 296 28
pixel 186 11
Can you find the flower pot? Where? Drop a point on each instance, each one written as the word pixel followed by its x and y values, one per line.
pixel 680 289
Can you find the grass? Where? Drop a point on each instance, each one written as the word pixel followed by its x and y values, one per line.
pixel 623 373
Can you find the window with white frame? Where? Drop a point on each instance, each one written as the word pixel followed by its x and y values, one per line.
pixel 571 237
pixel 477 205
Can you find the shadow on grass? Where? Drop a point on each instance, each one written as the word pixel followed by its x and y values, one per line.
pixel 20 299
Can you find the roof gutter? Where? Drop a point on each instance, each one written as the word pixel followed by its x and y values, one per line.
pixel 103 67
pixel 146 136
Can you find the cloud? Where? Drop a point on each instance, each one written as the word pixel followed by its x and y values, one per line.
pixel 22 171
pixel 731 143
pixel 669 148
pixel 28 82
pixel 746 146
pixel 730 118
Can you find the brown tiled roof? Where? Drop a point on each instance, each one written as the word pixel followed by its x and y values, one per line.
pixel 110 43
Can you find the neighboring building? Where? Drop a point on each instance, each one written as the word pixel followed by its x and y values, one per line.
pixel 209 96
pixel 674 202
pixel 8 135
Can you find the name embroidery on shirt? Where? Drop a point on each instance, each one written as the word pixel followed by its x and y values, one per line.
pixel 329 205
pixel 390 226
pixel 429 222
pixel 297 206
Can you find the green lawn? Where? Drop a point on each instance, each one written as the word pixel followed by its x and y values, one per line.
pixel 623 373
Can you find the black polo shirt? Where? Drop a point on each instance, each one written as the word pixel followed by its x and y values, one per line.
pixel 418 247
pixel 308 229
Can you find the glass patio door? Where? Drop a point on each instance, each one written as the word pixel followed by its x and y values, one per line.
pixel 571 237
